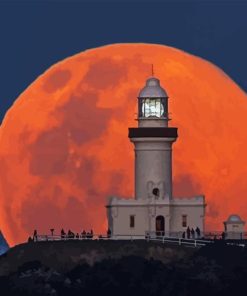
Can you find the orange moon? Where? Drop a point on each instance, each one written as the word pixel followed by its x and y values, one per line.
pixel 64 144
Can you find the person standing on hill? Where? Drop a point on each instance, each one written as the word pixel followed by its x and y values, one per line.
pixel 192 233
pixel 198 232
pixel 63 234
pixel 108 232
pixel 35 235
pixel 188 232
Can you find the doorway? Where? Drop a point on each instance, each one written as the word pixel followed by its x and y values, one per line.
pixel 160 226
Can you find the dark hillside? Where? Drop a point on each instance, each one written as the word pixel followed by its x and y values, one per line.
pixel 122 268
pixel 65 255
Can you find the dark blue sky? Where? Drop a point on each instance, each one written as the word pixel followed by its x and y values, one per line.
pixel 36 34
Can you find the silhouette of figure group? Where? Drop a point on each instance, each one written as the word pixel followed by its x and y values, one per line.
pixel 87 235
pixel 72 235
pixel 67 236
pixel 191 233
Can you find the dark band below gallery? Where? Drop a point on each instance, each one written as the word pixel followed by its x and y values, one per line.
pixel 156 132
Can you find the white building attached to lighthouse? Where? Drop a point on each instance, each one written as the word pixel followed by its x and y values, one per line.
pixel 154 209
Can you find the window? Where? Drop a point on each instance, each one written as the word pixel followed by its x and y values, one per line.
pixel 132 221
pixel 184 220
pixel 156 192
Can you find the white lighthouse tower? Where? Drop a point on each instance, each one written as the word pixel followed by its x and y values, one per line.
pixel 153 141
pixel 153 208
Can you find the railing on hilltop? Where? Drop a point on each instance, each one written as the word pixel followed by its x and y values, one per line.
pixel 56 237
pixel 176 238
pixel 228 235
pixel 157 238
pixel 161 237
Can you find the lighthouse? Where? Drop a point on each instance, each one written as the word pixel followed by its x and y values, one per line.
pixel 154 209
pixel 153 141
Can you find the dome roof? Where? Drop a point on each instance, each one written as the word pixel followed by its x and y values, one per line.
pixel 153 89
pixel 234 218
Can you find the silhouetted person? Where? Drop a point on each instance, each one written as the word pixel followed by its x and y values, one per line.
pixel 188 232
pixel 183 235
pixel 63 234
pixel 35 235
pixel 71 234
pixel 83 234
pixel 30 240
pixel 108 232
pixel 192 233
pixel 91 233
pixel 198 232
pixel 77 235
pixel 52 231
pixel 223 235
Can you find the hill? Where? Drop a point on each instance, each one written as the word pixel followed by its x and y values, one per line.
pixel 65 255
pixel 122 267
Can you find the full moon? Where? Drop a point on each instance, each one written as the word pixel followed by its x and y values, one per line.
pixel 64 146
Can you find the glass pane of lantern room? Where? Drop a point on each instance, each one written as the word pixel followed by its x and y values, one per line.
pixel 157 107
pixel 146 107
pixel 164 109
pixel 140 111
pixel 152 108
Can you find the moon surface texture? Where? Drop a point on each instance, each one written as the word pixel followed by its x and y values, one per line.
pixel 64 146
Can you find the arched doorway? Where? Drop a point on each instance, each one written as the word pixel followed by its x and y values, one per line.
pixel 160 225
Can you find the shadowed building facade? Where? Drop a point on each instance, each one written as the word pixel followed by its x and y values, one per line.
pixel 154 209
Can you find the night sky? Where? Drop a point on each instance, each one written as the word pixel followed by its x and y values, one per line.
pixel 36 34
